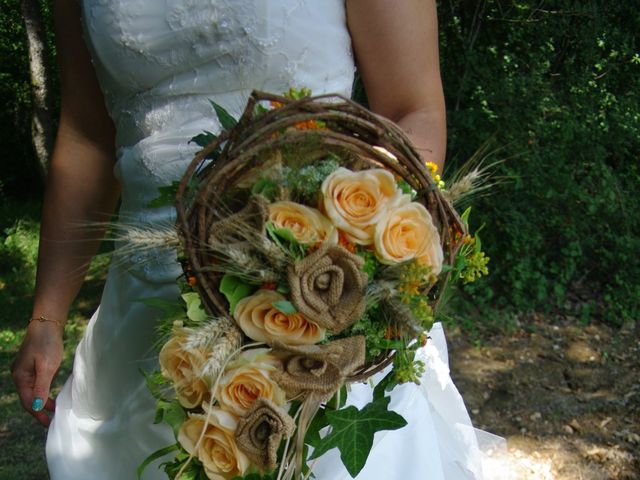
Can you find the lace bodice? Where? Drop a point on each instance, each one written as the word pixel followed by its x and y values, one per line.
pixel 159 64
pixel 155 60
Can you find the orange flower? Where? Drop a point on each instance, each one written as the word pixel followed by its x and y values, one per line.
pixel 261 321
pixel 356 201
pixel 407 232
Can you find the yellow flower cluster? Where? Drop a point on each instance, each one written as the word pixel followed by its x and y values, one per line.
pixel 433 170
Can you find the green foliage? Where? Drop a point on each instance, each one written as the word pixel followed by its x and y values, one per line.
pixel 373 329
pixel 352 432
pixel 304 183
pixel 556 88
pixel 226 120
pixel 286 241
pixel 20 178
pixel 166 195
pixel 234 290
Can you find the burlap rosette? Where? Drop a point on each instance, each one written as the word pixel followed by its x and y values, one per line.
pixel 327 285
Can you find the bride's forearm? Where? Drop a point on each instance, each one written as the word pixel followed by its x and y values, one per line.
pixel 81 190
pixel 396 48
pixel 428 132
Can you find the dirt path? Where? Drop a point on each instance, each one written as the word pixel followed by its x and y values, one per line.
pixel 566 397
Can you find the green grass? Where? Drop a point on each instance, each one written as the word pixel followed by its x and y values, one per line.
pixel 21 437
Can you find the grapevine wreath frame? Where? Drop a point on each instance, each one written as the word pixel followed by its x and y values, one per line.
pixel 348 129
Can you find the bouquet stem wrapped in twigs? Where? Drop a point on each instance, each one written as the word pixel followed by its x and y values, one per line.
pixel 316 247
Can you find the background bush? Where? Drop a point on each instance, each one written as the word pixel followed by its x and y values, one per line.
pixel 554 83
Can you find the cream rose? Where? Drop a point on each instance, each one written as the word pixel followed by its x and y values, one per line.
pixel 261 321
pixel 307 225
pixel 407 232
pixel 356 201
pixel 218 451
pixel 247 379
pixel 183 364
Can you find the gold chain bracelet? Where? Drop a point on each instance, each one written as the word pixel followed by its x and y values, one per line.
pixel 42 318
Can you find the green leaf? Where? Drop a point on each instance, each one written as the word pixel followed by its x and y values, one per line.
pixel 319 421
pixel 156 383
pixel 286 241
pixel 154 456
pixel 352 432
pixel 203 139
pixel 285 306
pixel 387 384
pixel 195 311
pixel 225 119
pixel 234 289
pixel 166 197
pixel 171 413
pixel 465 215
pixel 266 187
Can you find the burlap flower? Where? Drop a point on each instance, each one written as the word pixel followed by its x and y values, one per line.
pixel 328 287
pixel 318 370
pixel 260 432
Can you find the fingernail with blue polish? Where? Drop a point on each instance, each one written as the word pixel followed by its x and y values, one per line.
pixel 37 404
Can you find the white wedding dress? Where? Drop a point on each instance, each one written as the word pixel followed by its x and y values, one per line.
pixel 159 64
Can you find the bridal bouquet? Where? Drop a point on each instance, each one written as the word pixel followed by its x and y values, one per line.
pixel 316 246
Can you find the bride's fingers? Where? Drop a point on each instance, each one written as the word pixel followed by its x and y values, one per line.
pixel 41 385
pixel 50 405
pixel 24 380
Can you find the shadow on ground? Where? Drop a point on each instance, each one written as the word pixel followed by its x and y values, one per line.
pixel 566 396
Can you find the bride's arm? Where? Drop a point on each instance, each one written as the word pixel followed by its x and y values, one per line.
pixel 396 48
pixel 80 189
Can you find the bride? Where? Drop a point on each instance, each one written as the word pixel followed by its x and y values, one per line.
pixel 137 77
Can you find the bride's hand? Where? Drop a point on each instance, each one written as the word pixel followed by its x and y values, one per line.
pixel 35 366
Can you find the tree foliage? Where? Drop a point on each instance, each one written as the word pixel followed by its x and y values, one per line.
pixel 20 177
pixel 556 84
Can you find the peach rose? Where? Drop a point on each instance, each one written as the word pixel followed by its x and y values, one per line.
pixel 407 232
pixel 262 322
pixel 247 379
pixel 356 201
pixel 307 225
pixel 183 364
pixel 218 452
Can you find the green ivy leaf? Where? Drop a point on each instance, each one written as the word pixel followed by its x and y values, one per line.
pixel 285 306
pixel 195 311
pixel 225 119
pixel 166 197
pixel 234 289
pixel 318 422
pixel 352 432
